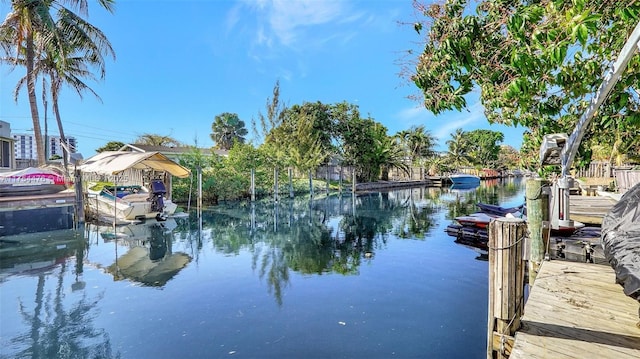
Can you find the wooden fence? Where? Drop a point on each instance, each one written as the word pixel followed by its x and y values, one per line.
pixel 626 178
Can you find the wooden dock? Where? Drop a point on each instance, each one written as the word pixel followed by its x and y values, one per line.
pixel 576 310
pixel 588 209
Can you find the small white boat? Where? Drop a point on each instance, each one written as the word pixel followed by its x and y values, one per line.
pixel 130 203
pixel 464 179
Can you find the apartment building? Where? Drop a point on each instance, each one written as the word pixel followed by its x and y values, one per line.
pixel 25 146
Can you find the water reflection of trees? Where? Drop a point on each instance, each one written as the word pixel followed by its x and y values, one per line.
pixel 331 234
pixel 57 331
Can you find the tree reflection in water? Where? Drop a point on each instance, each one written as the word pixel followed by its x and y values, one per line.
pixel 58 330
pixel 333 234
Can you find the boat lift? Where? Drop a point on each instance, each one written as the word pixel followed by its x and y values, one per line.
pixel 561 149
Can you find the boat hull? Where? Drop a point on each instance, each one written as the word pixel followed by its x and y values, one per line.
pixel 127 209
pixel 464 179
pixel 32 181
pixel 478 220
pixel 498 210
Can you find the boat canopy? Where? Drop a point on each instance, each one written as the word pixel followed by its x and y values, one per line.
pixel 116 162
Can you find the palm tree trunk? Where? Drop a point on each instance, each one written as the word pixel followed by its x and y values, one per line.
pixel 63 139
pixel 33 104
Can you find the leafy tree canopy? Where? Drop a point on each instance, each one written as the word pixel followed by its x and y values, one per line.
pixel 153 139
pixel 110 146
pixel 536 63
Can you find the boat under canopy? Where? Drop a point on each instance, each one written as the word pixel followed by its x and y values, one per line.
pixel 115 162
pixel 126 203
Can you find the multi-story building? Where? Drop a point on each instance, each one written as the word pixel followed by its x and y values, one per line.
pixel 25 146
pixel 6 147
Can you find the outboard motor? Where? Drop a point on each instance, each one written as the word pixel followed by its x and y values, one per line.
pixel 158 190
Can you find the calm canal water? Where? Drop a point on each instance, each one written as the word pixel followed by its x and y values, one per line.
pixel 336 277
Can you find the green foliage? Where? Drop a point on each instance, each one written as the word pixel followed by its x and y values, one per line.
pixel 477 148
pixel 152 139
pixel 226 129
pixel 537 64
pixel 508 158
pixel 418 143
pixel 111 146
pixel 48 38
pixel 484 147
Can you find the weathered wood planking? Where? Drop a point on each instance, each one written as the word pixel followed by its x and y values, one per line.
pixel 589 210
pixel 576 310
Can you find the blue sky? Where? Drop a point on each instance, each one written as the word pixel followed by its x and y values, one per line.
pixel 180 63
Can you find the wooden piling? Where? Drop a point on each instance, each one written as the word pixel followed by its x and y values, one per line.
pixel 79 209
pixel 200 194
pixel 537 213
pixel 253 185
pixel 275 184
pixel 506 284
pixel 353 181
pixel 290 182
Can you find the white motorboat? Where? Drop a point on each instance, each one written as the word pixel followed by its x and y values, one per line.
pixel 126 203
pixel 130 203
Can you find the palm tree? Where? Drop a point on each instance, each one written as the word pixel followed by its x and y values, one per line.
pixel 457 149
pixel 418 143
pixel 31 23
pixel 85 49
pixel 226 129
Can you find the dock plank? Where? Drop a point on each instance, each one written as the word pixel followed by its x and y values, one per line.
pixel 576 310
pixel 589 210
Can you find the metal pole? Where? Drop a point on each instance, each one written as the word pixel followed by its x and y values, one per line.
pixel 613 75
pixel 46 137
pixel 253 185
pixel 199 190
pixel 275 184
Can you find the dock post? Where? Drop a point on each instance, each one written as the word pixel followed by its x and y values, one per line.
pixel 506 284
pixel 79 197
pixel 290 182
pixel 353 182
pixel 253 185
pixel 537 213
pixel 199 169
pixel 275 184
pixel 327 178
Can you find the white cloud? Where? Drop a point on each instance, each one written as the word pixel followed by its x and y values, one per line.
pixel 455 120
pixel 443 125
pixel 292 22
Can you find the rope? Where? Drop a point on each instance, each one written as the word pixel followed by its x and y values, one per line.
pixel 509 246
pixel 539 193
pixel 504 330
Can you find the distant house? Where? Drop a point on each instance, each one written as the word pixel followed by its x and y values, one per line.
pixel 7 154
pixel 173 153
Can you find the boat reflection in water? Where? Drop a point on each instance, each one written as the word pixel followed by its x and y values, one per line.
pixel 33 253
pixel 149 260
